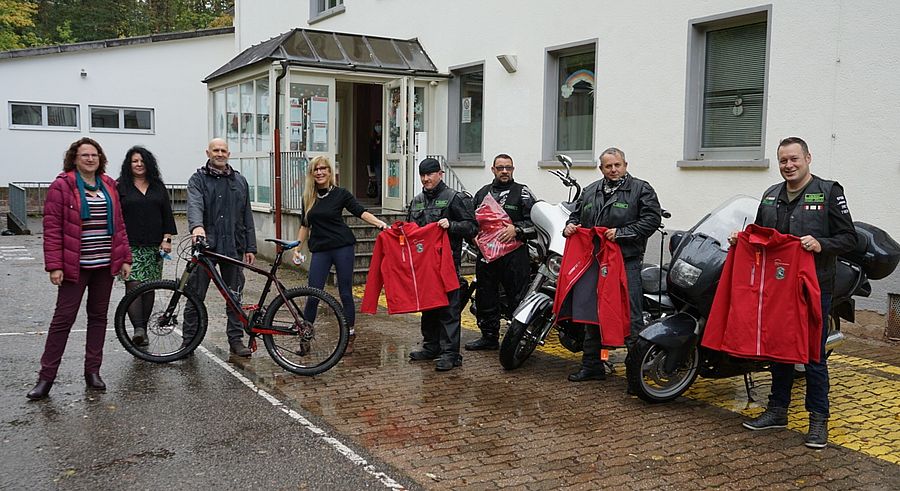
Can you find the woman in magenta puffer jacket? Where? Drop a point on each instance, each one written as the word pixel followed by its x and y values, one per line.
pixel 85 247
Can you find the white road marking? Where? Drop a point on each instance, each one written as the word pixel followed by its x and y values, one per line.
pixel 336 444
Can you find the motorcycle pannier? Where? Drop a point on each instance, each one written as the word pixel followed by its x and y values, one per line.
pixel 880 254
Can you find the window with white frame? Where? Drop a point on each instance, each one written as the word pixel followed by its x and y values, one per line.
pixel 726 85
pixel 121 119
pixel 323 9
pixel 36 115
pixel 241 117
pixel 466 116
pixel 569 102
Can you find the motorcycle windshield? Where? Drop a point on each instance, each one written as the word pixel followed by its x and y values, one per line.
pixel 731 216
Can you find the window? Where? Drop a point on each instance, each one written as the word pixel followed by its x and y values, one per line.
pixel 121 119
pixel 726 91
pixel 466 117
pixel 240 115
pixel 569 103
pixel 33 115
pixel 323 9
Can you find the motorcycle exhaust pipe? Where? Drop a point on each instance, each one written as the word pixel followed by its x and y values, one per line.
pixel 834 340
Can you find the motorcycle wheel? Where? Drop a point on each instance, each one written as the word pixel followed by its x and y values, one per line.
pixel 519 342
pixel 650 380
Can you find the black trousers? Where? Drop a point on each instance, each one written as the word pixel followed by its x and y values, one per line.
pixel 592 343
pixel 440 328
pixel 511 271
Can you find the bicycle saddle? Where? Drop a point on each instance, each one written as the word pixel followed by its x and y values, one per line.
pixel 287 245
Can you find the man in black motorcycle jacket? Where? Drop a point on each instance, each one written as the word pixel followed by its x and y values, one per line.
pixel 452 210
pixel 815 210
pixel 629 209
pixel 511 270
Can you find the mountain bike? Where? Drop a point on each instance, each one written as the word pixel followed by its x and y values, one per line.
pixel 301 345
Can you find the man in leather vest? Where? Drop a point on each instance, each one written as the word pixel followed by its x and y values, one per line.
pixel 453 212
pixel 629 209
pixel 511 270
pixel 815 210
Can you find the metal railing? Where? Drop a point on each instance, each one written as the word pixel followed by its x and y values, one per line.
pixel 18 205
pixel 293 176
pixel 450 176
pixel 35 193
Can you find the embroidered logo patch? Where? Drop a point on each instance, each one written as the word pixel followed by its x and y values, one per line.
pixel 440 203
pixel 779 272
pixel 814 198
pixel 813 207
pixel 768 200
pixel 420 247
pixel 619 204
pixel 603 271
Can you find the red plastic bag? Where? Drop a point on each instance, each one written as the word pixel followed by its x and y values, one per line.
pixel 492 220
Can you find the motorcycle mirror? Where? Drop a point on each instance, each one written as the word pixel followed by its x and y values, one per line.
pixel 566 161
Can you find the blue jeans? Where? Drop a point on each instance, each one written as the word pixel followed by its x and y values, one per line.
pixel 817 384
pixel 342 259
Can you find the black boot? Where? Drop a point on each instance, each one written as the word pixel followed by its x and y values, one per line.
pixel 588 374
pixel 94 381
pixel 483 343
pixel 40 390
pixel 818 431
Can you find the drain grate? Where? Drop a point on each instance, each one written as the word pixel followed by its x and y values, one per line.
pixel 892 330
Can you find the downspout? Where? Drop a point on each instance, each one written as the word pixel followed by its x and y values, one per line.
pixel 276 142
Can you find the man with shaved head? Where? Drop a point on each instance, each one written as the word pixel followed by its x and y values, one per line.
pixel 218 208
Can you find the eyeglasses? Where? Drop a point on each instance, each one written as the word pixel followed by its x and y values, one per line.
pixel 504 168
pixel 88 155
pixel 321 169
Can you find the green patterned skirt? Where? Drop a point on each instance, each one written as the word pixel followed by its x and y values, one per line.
pixel 146 264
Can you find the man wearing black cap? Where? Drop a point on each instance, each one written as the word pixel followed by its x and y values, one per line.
pixel 453 212
pixel 511 270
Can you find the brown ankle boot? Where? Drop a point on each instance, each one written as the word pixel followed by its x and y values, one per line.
pixel 349 350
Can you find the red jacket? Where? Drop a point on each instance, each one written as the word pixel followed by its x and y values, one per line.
pixel 62 227
pixel 415 266
pixel 613 307
pixel 768 303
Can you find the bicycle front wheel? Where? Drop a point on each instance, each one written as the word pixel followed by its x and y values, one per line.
pixel 302 346
pixel 150 322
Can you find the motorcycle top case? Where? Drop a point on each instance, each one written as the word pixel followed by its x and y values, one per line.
pixel 877 252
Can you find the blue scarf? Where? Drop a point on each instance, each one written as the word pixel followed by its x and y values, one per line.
pixel 85 208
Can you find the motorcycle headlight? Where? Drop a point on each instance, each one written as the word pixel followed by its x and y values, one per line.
pixel 684 274
pixel 554 264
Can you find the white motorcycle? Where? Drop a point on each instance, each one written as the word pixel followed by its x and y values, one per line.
pixel 533 319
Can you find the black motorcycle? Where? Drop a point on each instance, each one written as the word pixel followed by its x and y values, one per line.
pixel 668 356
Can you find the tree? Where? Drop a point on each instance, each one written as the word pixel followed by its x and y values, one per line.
pixel 17 24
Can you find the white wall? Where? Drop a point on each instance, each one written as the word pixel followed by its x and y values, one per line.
pixel 845 109
pixel 165 76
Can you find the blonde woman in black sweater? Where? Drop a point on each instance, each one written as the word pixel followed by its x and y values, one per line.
pixel 329 238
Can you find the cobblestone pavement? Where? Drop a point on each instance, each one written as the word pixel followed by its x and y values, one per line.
pixel 480 427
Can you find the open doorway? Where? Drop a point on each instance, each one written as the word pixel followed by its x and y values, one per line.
pixel 367 127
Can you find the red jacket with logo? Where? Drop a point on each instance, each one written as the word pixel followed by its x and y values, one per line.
pixel 768 303
pixel 415 266
pixel 612 283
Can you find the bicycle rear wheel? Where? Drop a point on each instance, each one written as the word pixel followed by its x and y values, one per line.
pixel 303 347
pixel 165 340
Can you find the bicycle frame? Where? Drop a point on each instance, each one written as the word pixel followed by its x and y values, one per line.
pixel 204 258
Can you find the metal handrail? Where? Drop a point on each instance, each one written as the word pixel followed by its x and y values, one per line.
pixel 451 178
pixel 35 193
pixel 18 205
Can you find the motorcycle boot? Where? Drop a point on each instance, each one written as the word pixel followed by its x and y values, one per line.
pixel 773 417
pixel 586 374
pixel 817 437
pixel 483 343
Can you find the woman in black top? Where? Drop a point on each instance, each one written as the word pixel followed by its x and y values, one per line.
pixel 330 239
pixel 150 226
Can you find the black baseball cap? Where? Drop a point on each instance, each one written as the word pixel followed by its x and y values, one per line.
pixel 428 166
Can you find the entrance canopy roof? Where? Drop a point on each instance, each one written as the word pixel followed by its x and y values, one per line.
pixel 336 50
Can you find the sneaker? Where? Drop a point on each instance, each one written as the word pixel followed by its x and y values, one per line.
pixel 422 355
pixel 140 337
pixel 817 437
pixel 483 343
pixel 773 417
pixel 349 350
pixel 237 348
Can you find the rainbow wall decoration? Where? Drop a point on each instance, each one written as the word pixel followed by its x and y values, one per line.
pixel 582 75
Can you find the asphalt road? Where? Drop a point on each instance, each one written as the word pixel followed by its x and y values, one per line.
pixel 197 423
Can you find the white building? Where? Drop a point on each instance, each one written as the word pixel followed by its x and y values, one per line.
pixel 122 92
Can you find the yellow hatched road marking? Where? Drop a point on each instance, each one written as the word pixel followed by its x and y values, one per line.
pixel 865 405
